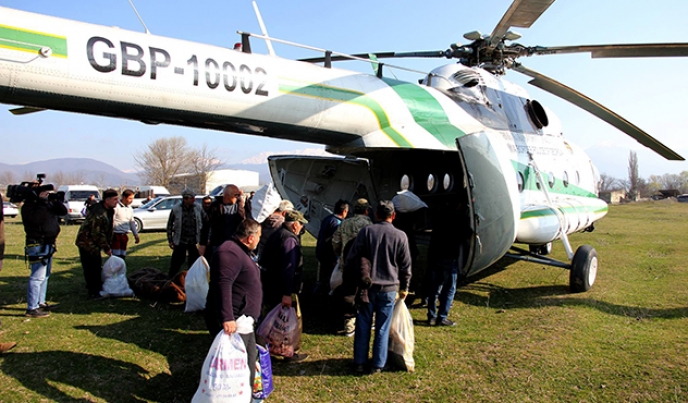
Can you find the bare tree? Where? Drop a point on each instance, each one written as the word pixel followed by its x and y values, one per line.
pixel 7 178
pixel 163 160
pixel 203 161
pixel 608 183
pixel 100 180
pixel 633 178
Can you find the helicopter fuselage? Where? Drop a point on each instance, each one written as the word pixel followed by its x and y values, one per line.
pixel 52 63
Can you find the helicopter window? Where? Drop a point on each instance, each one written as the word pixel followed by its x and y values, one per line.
pixel 432 183
pixel 537 183
pixel 551 179
pixel 447 182
pixel 577 178
pixel 520 181
pixel 406 183
pixel 566 179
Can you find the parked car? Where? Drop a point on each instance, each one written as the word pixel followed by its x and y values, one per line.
pixel 682 198
pixel 75 197
pixel 144 192
pixel 9 210
pixel 154 214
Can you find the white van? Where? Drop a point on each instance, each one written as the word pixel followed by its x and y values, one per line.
pixel 75 197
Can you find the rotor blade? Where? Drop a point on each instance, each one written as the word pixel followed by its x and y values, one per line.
pixel 522 14
pixel 598 110
pixel 382 55
pixel 618 50
pixel 25 110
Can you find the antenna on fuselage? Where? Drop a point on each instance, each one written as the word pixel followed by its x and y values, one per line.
pixel 271 51
pixel 138 15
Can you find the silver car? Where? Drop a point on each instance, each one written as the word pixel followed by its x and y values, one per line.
pixel 154 214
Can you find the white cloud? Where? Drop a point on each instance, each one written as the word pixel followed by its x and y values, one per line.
pixel 262 158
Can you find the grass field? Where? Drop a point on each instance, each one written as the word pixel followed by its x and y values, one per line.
pixel 521 337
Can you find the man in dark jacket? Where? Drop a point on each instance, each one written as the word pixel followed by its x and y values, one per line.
pixel 41 225
pixel 224 216
pixel 282 261
pixel 184 232
pixel 235 288
pixel 387 250
pixel 272 223
pixel 95 236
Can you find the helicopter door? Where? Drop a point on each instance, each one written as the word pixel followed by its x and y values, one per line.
pixel 491 208
pixel 315 184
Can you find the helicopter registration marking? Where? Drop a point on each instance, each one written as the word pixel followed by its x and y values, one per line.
pixel 224 74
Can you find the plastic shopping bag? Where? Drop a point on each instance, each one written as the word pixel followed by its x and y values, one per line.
pixel 337 277
pixel 263 386
pixel 114 276
pixel 266 200
pixel 280 329
pixel 401 338
pixel 196 285
pixel 225 373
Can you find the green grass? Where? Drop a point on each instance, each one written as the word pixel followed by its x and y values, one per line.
pixel 521 337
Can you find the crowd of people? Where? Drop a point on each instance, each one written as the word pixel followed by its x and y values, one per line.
pixel 254 267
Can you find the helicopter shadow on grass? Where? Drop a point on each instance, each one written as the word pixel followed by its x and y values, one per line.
pixel 184 344
pixel 500 298
pixel 41 371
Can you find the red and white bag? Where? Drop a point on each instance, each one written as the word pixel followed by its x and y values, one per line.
pixel 225 373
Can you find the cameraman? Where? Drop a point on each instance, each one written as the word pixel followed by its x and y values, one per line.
pixel 40 214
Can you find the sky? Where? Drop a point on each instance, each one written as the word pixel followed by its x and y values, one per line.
pixel 649 92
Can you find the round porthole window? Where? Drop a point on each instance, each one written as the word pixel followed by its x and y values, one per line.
pixel 566 179
pixel 405 183
pixel 520 181
pixel 447 182
pixel 551 179
pixel 431 183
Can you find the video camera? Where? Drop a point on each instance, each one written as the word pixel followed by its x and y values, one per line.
pixel 29 191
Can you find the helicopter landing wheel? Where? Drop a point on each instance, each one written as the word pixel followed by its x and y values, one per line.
pixel 583 269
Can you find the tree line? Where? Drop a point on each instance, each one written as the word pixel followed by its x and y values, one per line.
pixel 635 186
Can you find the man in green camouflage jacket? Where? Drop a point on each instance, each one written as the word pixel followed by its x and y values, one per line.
pixel 95 235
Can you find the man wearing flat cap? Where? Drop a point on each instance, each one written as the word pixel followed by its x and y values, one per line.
pixel 282 262
pixel 95 236
pixel 184 231
pixel 386 250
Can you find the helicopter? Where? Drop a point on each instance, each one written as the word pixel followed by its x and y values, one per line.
pixel 462 135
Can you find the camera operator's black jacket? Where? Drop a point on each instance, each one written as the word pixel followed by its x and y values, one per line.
pixel 41 223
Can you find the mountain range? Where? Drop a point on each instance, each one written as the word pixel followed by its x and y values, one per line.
pixel 91 171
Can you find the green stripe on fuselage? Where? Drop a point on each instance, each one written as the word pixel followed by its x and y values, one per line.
pixel 342 95
pixel 566 210
pixel 31 41
pixel 426 111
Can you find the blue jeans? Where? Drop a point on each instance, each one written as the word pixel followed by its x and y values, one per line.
pixel 382 304
pixel 40 272
pixel 444 288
